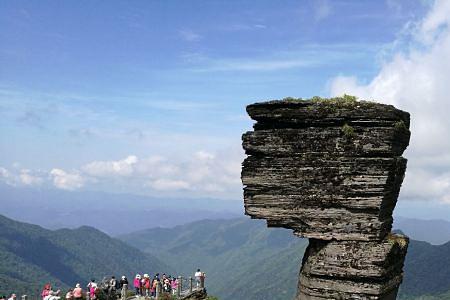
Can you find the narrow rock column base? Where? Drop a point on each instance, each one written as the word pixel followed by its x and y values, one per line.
pixel 353 270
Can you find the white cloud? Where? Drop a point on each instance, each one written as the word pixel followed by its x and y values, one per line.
pixel 244 27
pixel 169 185
pixel 7 177
pixel 189 35
pixel 67 181
pixel 21 177
pixel 259 65
pixel 201 173
pixel 417 80
pixel 204 156
pixel 27 178
pixel 124 167
pixel 307 56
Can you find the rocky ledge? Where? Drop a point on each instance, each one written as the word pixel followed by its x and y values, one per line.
pixel 331 170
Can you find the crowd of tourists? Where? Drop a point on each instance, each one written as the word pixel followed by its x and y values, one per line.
pixel 11 297
pixel 111 288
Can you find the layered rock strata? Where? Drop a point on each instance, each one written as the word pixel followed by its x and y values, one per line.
pixel 353 270
pixel 331 170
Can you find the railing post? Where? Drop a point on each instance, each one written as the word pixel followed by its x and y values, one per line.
pixel 123 292
pixel 191 282
pixel 179 285
pixel 158 290
pixel 202 281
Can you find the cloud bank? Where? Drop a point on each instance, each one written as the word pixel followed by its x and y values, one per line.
pixel 416 79
pixel 202 173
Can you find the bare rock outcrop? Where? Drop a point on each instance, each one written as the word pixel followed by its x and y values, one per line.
pixel 331 170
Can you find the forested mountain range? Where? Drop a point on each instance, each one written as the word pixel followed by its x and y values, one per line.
pixel 30 256
pixel 244 259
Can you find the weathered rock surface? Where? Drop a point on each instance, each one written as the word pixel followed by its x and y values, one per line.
pixel 349 259
pixel 352 270
pixel 327 112
pixel 344 198
pixel 331 170
pixel 199 294
pixel 314 173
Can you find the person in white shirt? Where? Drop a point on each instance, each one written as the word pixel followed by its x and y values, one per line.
pixel 198 276
pixel 13 297
pixel 52 295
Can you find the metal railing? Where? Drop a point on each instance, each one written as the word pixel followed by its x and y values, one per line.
pixel 189 285
pixel 185 287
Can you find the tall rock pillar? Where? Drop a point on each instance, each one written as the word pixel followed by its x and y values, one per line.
pixel 331 170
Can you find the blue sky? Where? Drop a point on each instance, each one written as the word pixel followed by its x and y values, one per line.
pixel 149 96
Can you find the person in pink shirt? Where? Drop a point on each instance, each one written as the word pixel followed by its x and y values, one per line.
pixel 137 284
pixel 46 290
pixel 174 285
pixel 77 292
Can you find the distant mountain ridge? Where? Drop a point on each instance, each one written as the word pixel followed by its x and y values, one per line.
pixel 244 259
pixel 435 232
pixel 112 213
pixel 31 256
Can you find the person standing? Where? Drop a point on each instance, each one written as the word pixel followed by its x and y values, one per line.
pixel 13 297
pixel 137 284
pixel 154 285
pixel 124 286
pixel 77 292
pixel 92 289
pixel 198 277
pixel 45 290
pixel 174 285
pixel 69 295
pixel 112 287
pixel 147 285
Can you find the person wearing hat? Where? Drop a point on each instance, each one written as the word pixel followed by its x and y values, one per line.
pixel 77 292
pixel 137 284
pixel 147 284
pixel 124 286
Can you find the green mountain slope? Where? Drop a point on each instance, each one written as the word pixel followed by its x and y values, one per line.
pixel 31 256
pixel 242 258
pixel 427 270
pixel 245 260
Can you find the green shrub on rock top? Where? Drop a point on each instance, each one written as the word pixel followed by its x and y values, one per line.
pixel 341 100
